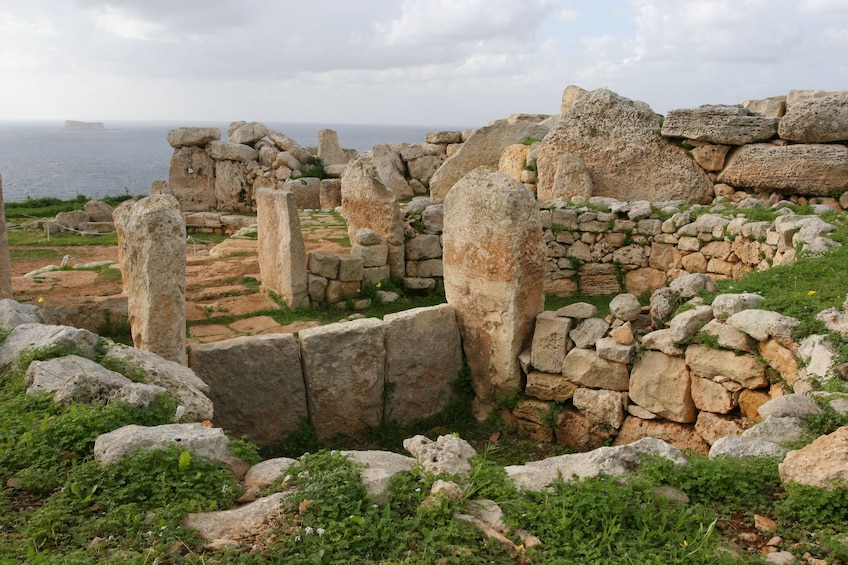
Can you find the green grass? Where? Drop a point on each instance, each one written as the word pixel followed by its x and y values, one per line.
pixel 35 208
pixel 26 238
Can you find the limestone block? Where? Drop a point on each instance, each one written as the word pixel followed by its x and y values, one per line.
pixel 572 181
pixel 611 461
pixel 625 307
pixel 98 211
pixel 733 446
pixel 282 251
pixel 600 406
pixel 816 352
pixel 729 337
pixel 807 169
pixel 717 249
pixel 588 332
pixel 688 286
pixel 494 268
pixel 816 120
pixel 661 340
pixel 324 264
pixel 550 339
pixel 423 168
pixel 823 463
pixel 228 151
pixel 780 359
pixel 763 324
pixel 588 369
pixel 723 125
pixel 368 203
pixel 682 436
pixel 341 290
pixel 725 305
pixel 376 275
pixel 232 186
pixel 535 411
pixel 434 218
pixel 203 442
pixel 711 157
pixel 620 144
pixel 661 384
pixel 719 365
pixel 366 236
pixel 711 426
pixel 371 255
pixel 448 454
pixel 191 179
pixel 330 194
pixel 307 192
pixel 431 268
pixel 247 133
pixel 74 378
pixel 173 377
pixel 256 385
pixel 350 268
pixel 153 263
pixel 512 160
pixel 329 149
pixel 287 144
pixel 696 263
pixel 623 334
pixel 688 323
pixel 266 472
pixel 778 430
pixel 608 348
pixel 423 246
pixel 391 171
pixel 644 280
pixel 188 137
pixel 482 149
pixel 599 279
pixel 549 386
pixel 578 311
pixel 344 370
pixel 576 431
pixel 711 396
pixel 13 314
pixel 420 382
pixel 377 468
pixel 790 405
pixel 317 288
pixel 773 107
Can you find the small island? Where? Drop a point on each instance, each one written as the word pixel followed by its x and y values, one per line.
pixel 73 125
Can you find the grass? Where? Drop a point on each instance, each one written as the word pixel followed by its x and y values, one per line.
pixel 35 208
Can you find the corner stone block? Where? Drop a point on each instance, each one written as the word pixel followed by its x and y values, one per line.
pixel 550 339
pixel 344 370
pixel 282 251
pixel 269 367
pixel 423 359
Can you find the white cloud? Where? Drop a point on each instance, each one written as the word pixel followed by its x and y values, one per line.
pixel 121 24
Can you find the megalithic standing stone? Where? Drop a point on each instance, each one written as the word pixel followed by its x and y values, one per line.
pixel 494 269
pixel 282 251
pixel 5 262
pixel 153 265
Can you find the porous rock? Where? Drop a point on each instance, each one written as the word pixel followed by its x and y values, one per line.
pixel 448 454
pixel 202 441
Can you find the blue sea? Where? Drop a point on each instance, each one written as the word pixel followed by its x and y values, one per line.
pixel 39 159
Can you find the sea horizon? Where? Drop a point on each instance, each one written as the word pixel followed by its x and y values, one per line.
pixel 39 158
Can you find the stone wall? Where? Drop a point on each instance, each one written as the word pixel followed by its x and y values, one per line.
pixel 341 377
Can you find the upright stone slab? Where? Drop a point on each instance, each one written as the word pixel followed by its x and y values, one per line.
pixel 282 251
pixel 344 370
pixel 494 269
pixel 368 203
pixel 154 270
pixel 256 384
pixel 329 149
pixel 423 359
pixel 5 262
pixel 191 178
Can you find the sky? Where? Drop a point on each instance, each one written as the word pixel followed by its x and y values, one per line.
pixel 460 63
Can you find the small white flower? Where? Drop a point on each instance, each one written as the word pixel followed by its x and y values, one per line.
pixel 418 490
pixel 308 530
pixel 373 506
pixel 297 539
pixel 225 488
pixel 320 531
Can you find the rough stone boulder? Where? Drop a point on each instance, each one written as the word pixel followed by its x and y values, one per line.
pixel 823 463
pixel 174 377
pixel 203 442
pixel 494 268
pixel 571 182
pixel 816 120
pixel 228 151
pixel 269 367
pixel 191 179
pixel 723 125
pixel 448 454
pixel 237 523
pixel 75 378
pixel 98 211
pixel 391 171
pixel 661 383
pixel 13 314
pixel 619 141
pixel 612 461
pixel 734 446
pixel 811 169
pixel 192 137
pixel 37 336
pixel 246 133
pixel 377 468
pixel 482 149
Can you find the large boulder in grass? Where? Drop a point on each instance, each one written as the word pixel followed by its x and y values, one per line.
pixel 823 463
pixel 202 441
pixel 620 143
pixel 34 337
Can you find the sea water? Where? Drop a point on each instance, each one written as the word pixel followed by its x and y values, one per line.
pixel 39 159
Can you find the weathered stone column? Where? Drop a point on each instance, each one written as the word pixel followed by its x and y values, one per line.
pixel 153 265
pixel 282 252
pixel 5 262
pixel 368 203
pixel 494 267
